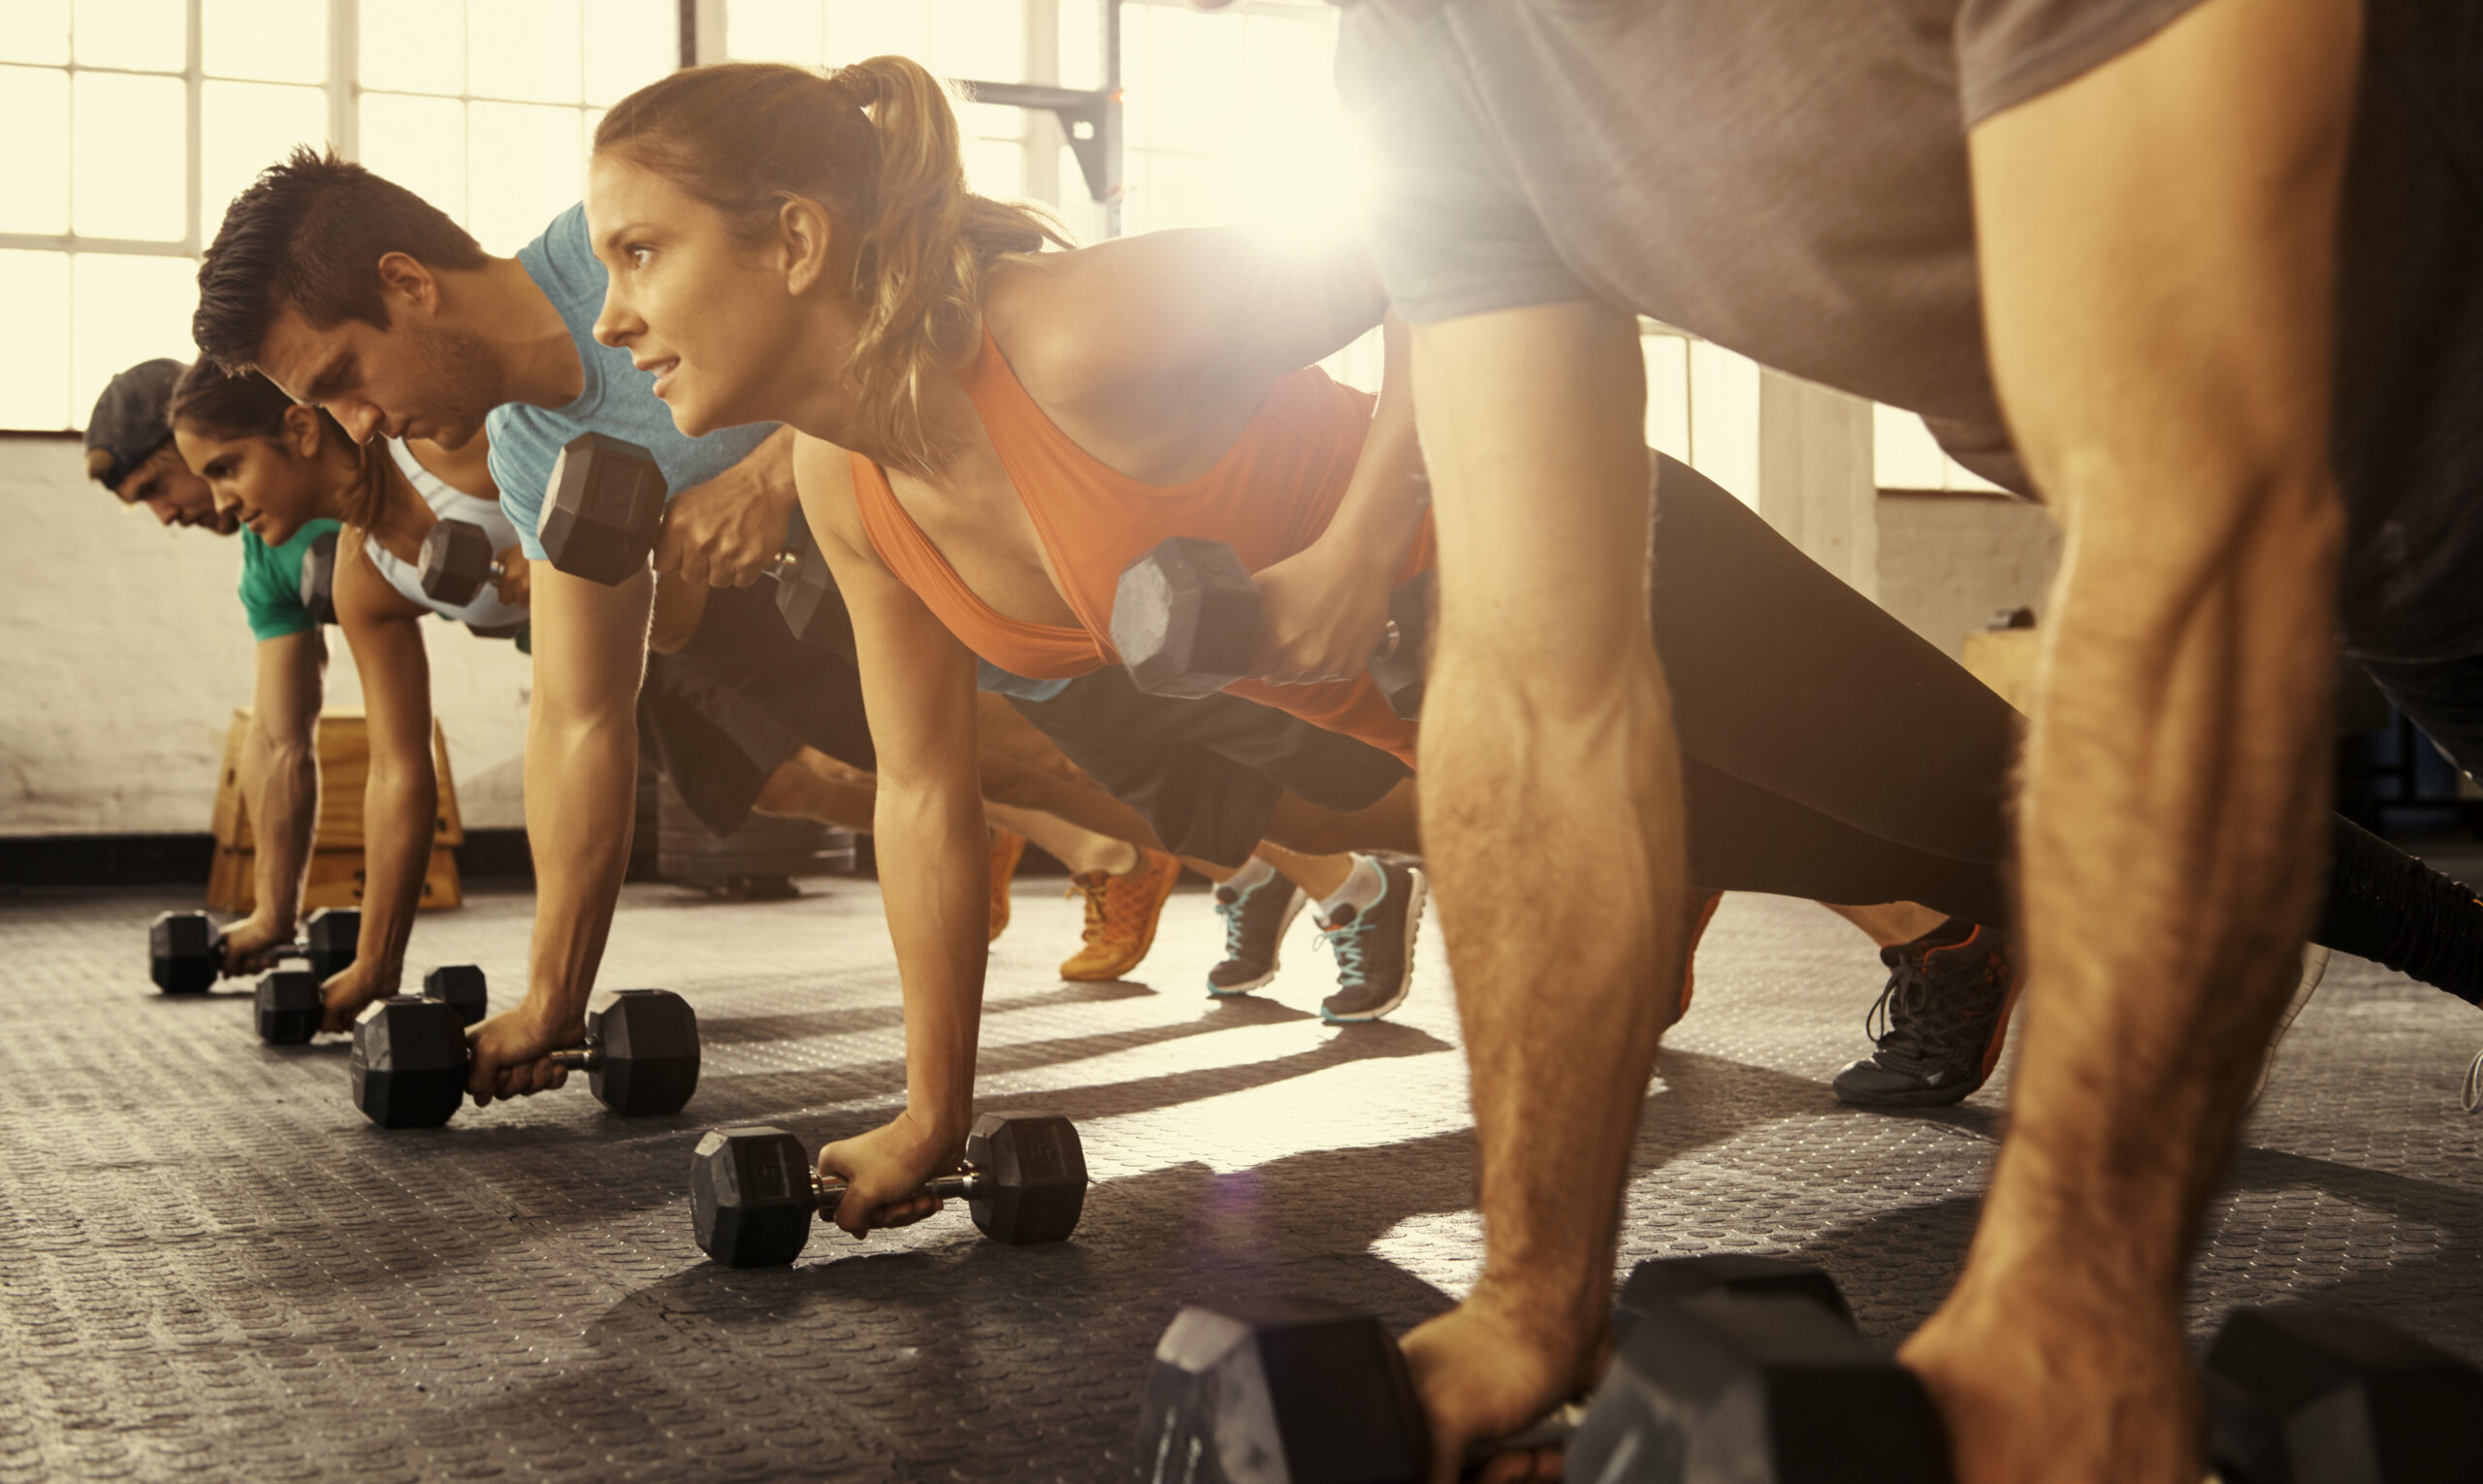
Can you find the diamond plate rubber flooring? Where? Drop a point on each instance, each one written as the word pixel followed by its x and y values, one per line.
pixel 211 1267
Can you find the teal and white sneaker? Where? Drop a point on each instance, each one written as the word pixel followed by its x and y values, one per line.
pixel 1255 922
pixel 1374 949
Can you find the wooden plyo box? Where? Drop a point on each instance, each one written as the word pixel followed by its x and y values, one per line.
pixel 336 876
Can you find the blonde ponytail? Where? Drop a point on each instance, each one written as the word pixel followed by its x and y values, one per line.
pixel 877 145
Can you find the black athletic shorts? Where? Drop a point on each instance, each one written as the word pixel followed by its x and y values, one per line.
pixel 741 698
pixel 1205 774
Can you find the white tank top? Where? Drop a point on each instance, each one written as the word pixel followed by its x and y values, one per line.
pixel 486 613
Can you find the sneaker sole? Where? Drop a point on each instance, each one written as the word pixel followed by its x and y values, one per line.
pixel 1419 892
pixel 1276 955
pixel 1929 1097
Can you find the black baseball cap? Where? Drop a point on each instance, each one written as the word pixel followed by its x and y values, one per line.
pixel 133 418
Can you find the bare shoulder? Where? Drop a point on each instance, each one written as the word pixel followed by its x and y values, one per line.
pixel 362 596
pixel 823 479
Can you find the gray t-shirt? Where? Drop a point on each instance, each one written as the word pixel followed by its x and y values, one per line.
pixel 1789 180
pixel 1783 177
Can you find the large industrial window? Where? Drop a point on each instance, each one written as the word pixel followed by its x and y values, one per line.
pixel 132 122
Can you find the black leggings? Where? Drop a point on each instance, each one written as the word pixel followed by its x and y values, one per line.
pixel 1828 752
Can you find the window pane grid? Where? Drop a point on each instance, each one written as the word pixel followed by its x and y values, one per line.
pixel 184 101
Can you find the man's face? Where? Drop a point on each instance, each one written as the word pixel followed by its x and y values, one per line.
pixel 415 379
pixel 176 497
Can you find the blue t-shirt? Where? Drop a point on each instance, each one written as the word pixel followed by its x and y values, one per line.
pixel 619 400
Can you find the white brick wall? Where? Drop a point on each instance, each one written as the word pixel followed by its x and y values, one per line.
pixel 1948 561
pixel 123 653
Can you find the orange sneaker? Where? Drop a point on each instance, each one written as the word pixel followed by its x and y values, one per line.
pixel 1121 911
pixel 1007 846
pixel 1701 912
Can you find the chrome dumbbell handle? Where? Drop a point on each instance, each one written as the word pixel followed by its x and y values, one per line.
pixel 967 1184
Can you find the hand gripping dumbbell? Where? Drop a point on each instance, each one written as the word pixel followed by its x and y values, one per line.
pixel 320 578
pixel 754 1190
pixel 604 509
pixel 291 1006
pixel 410 1058
pixel 1289 1391
pixel 186 949
pixel 1186 621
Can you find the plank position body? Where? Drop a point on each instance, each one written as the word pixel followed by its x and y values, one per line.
pixel 2185 269
pixel 355 295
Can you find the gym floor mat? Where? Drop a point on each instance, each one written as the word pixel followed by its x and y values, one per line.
pixel 211 1265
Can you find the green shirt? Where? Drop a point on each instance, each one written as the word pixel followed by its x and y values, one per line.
pixel 272 582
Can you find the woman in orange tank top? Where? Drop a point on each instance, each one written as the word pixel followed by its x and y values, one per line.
pixel 992 433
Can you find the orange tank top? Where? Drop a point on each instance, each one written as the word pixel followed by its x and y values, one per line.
pixel 1268 497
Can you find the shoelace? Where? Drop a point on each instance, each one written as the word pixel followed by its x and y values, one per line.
pixel 2473 1095
pixel 1233 912
pixel 1900 1024
pixel 1101 900
pixel 1347 943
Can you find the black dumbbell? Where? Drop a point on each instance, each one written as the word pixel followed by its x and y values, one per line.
pixel 290 1005
pixel 1291 1390
pixel 1186 621
pixel 457 558
pixel 1404 656
pixel 2314 1394
pixel 320 578
pixel 605 509
pixel 409 1056
pixel 754 1190
pixel 186 949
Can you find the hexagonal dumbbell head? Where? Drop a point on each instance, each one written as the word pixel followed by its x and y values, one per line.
pixel 1772 1389
pixel 1280 1391
pixel 320 578
pixel 289 1007
pixel 603 509
pixel 330 940
pixel 1185 618
pixel 1403 658
pixel 1033 1177
pixel 1730 1274
pixel 752 1196
pixel 461 987
pixel 807 595
pixel 2312 1395
pixel 182 952
pixel 456 562
pixel 646 1046
pixel 409 1062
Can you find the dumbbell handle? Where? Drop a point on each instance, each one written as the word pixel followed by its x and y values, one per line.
pixel 584 1058
pixel 967 1184
pixel 785 564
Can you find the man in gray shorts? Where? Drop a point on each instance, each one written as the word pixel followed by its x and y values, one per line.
pixel 2097 245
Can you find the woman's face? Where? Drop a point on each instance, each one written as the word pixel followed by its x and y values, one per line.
pixel 690 304
pixel 268 488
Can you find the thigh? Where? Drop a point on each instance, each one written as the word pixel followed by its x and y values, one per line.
pixel 742 646
pixel 2442 696
pixel 1745 838
pixel 1198 802
pixel 717 753
pixel 1786 678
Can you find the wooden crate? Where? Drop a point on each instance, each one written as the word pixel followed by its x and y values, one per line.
pixel 336 877
pixel 344 768
pixel 336 880
pixel 2004 658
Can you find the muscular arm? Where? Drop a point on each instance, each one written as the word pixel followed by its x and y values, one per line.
pixel 581 788
pixel 401 801
pixel 919 686
pixel 2157 259
pixel 281 786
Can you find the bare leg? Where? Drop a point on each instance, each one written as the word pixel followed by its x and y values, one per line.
pixel 811 785
pixel 1322 876
pixel 1080 848
pixel 1391 825
pixel 1890 923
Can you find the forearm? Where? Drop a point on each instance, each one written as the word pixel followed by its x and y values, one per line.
pixel 281 792
pixel 400 809
pixel 1384 503
pixel 581 800
pixel 2172 828
pixel 934 880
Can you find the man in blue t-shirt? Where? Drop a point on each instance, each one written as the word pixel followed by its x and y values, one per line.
pixel 129 451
